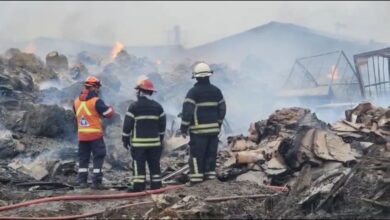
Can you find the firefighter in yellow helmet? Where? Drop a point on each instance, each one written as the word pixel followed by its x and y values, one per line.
pixel 204 110
pixel 143 132
pixel 89 109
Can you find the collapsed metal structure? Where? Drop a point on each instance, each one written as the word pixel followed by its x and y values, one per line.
pixel 373 67
pixel 323 79
pixel 330 78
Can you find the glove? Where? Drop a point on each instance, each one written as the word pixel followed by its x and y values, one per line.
pixel 220 122
pixel 183 134
pixel 162 139
pixel 126 145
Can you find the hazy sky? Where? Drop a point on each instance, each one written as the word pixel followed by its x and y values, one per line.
pixel 148 23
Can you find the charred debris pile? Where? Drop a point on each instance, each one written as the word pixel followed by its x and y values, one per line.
pixel 291 165
pixel 338 170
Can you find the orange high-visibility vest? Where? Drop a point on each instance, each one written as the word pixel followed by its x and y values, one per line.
pixel 89 124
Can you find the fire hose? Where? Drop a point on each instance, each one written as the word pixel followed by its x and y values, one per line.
pixel 75 216
pixel 79 198
pixel 97 197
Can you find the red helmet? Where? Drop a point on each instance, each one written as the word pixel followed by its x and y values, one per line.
pixel 92 81
pixel 145 84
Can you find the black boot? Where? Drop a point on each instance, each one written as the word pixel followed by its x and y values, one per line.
pixel 98 186
pixel 131 188
pixel 190 184
pixel 81 185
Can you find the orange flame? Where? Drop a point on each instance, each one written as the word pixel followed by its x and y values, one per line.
pixel 116 49
pixel 30 48
pixel 334 73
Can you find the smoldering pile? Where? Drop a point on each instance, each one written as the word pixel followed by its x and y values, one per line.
pixel 282 145
pixel 36 115
pixel 315 160
pixel 319 163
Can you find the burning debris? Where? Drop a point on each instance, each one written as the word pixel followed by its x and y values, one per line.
pixel 118 48
pixel 290 165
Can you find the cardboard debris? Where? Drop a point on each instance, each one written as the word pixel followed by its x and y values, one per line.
pixel 246 157
pixel 174 143
pixel 36 169
pixel 303 180
pixel 324 184
pixel 289 139
pixel 342 126
pixel 353 114
pixel 242 144
pixel 330 147
pixel 253 134
pixel 259 178
pixel 365 122
pixel 275 166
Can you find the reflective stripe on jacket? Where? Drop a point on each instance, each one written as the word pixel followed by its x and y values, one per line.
pixel 204 109
pixel 89 124
pixel 144 123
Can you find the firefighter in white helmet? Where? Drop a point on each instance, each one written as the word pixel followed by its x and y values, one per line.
pixel 204 110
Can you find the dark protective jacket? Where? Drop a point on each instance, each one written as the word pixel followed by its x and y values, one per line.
pixel 204 109
pixel 144 124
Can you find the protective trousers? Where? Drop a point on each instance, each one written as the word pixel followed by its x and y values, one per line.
pixel 98 150
pixel 152 156
pixel 203 156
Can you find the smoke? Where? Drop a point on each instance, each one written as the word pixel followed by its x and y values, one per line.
pixel 255 64
pixel 51 84
pixel 135 23
pixel 49 155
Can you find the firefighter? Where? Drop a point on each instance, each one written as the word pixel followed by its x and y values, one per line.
pixel 203 112
pixel 143 133
pixel 89 109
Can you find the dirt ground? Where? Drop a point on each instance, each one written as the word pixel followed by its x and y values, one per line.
pixel 240 208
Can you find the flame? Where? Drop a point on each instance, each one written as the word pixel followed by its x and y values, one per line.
pixel 334 73
pixel 116 49
pixel 30 48
pixel 158 62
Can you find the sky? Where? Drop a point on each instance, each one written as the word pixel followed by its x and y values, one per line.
pixel 151 23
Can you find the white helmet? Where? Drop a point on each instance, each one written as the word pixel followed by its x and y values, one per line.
pixel 201 69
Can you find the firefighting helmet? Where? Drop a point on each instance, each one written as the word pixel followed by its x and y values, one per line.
pixel 92 81
pixel 201 69
pixel 145 84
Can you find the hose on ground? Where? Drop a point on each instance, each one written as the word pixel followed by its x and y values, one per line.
pixel 95 197
pixel 68 217
pixel 88 197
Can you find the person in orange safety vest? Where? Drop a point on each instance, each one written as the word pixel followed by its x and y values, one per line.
pixel 89 109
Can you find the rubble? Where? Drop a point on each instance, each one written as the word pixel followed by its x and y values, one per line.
pixel 78 71
pixel 9 147
pixel 20 61
pixel 328 170
pixel 37 169
pixel 365 122
pixel 16 85
pixel 56 61
pixel 280 146
pixel 47 121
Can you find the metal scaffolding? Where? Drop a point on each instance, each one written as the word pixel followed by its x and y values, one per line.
pixel 374 69
pixel 329 75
